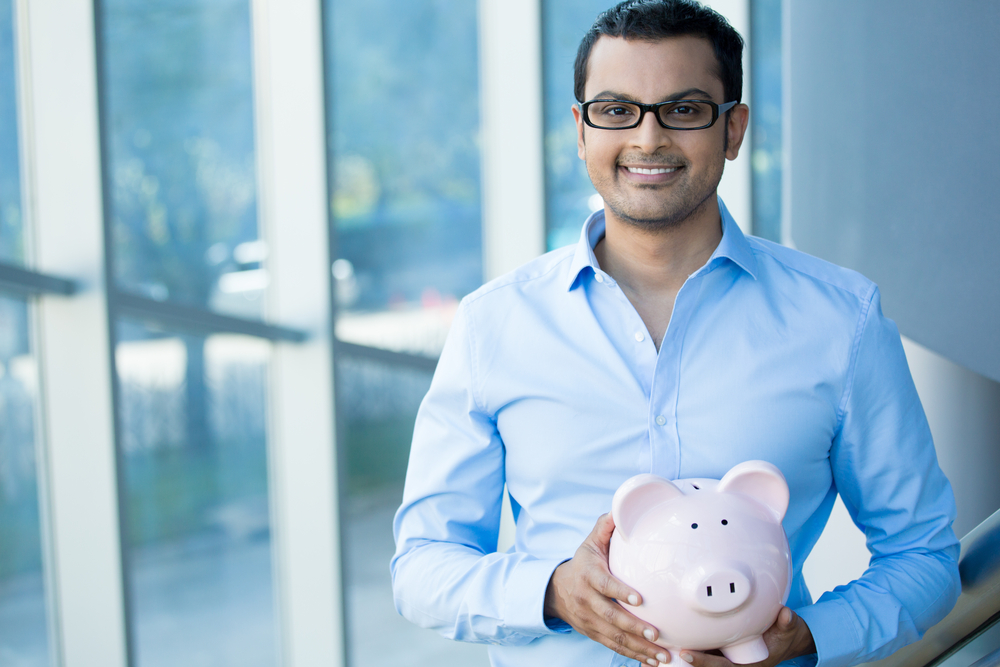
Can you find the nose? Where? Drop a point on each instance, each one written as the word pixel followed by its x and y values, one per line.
pixel 720 589
pixel 650 136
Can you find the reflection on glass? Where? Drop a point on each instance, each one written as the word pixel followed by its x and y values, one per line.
pixel 193 437
pixel 23 626
pixel 376 406
pixel 404 120
pixel 11 241
pixel 178 95
pixel 569 195
pixel 766 117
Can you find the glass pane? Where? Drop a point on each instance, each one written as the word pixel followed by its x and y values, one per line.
pixel 23 626
pixel 569 195
pixel 11 236
pixel 765 71
pixel 178 98
pixel 376 406
pixel 193 437
pixel 404 156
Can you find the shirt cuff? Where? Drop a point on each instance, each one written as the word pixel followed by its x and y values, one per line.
pixel 834 630
pixel 524 602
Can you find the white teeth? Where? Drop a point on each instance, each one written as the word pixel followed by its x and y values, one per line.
pixel 640 170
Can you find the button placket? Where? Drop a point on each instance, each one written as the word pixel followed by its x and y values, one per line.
pixel 664 438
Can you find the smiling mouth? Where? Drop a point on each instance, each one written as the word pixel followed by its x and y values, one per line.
pixel 655 170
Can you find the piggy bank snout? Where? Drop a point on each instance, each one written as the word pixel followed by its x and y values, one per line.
pixel 720 588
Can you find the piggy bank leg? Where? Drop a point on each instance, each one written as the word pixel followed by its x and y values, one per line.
pixel 749 650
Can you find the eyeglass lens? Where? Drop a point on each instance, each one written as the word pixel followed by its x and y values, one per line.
pixel 680 115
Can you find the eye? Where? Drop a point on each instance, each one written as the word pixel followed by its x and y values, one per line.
pixel 725 523
pixel 617 111
pixel 694 525
pixel 611 110
pixel 683 110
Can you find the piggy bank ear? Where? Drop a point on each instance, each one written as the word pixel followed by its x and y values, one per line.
pixel 760 480
pixel 636 496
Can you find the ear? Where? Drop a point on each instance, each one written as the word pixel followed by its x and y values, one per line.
pixel 736 127
pixel 760 480
pixel 581 145
pixel 636 496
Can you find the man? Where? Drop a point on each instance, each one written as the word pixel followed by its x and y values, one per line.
pixel 665 342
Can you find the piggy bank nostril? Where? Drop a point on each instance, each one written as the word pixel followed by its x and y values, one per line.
pixel 720 588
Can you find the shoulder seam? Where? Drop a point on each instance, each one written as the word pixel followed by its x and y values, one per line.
pixel 490 287
pixel 760 249
pixel 855 349
pixel 473 359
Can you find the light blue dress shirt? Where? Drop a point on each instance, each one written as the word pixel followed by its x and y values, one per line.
pixel 549 383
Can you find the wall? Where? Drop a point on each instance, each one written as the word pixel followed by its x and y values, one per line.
pixel 891 171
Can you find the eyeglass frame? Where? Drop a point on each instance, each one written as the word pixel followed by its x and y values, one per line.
pixel 717 110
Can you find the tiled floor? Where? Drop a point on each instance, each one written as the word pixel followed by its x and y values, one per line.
pixel 378 635
pixel 205 605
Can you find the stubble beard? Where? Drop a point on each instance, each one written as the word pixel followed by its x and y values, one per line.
pixel 687 195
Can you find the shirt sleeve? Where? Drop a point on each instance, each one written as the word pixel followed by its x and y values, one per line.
pixel 886 470
pixel 446 574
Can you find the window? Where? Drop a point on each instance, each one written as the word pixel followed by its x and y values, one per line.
pixel 178 107
pixel 403 123
pixel 24 637
pixel 11 228
pixel 569 195
pixel 766 118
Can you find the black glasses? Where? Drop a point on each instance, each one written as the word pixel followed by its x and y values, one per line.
pixel 673 114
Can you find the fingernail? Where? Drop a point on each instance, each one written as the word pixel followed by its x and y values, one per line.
pixel 687 657
pixel 633 600
pixel 648 634
pixel 662 657
pixel 650 661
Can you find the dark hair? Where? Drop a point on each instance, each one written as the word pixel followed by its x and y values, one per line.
pixel 651 20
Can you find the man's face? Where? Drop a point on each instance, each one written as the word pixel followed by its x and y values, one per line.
pixel 687 164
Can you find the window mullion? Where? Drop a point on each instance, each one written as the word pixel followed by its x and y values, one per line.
pixel 63 158
pixel 302 453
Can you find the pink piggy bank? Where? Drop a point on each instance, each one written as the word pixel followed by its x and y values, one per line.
pixel 709 557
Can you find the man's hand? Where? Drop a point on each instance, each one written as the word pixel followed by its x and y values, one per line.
pixel 789 637
pixel 583 593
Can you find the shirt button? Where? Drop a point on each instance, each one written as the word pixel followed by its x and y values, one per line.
pixel 598 277
pixel 661 420
pixel 639 336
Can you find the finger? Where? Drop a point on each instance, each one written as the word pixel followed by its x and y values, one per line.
pixel 786 618
pixel 625 629
pixel 609 586
pixel 632 646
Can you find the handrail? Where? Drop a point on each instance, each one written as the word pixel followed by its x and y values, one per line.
pixel 25 281
pixel 978 606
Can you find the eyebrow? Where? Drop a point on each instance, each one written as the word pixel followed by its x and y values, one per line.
pixel 683 95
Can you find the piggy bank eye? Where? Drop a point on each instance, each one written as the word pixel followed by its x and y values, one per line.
pixel 725 523
pixel 694 525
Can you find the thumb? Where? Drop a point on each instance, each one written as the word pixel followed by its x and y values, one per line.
pixel 603 530
pixel 786 617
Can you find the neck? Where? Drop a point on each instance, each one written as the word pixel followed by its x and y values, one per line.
pixel 647 262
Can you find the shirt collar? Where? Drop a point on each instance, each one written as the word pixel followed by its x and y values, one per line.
pixel 733 246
